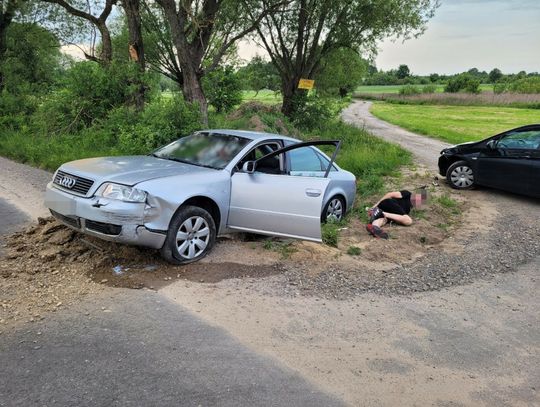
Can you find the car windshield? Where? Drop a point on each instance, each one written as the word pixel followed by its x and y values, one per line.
pixel 211 150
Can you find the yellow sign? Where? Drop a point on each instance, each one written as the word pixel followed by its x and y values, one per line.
pixel 306 84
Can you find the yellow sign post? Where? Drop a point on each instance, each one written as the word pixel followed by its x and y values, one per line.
pixel 306 84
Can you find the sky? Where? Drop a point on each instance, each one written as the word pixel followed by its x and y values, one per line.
pixel 484 34
pixel 464 34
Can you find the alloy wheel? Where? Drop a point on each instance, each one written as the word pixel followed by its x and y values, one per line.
pixel 192 237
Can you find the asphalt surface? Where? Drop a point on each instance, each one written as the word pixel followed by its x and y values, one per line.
pixel 129 347
pixel 137 348
pixel 11 217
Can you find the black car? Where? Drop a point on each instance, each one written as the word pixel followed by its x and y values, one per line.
pixel 508 161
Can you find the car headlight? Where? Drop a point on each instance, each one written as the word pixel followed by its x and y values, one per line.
pixel 121 192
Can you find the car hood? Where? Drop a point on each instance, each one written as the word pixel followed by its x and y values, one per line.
pixel 129 170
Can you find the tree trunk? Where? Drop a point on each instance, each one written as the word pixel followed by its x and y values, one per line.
pixel 192 89
pixel 136 48
pixel 291 95
pixel 106 44
pixel 189 59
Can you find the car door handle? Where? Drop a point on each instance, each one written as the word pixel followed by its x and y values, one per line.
pixel 313 192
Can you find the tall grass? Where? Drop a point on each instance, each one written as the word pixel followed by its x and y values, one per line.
pixel 530 101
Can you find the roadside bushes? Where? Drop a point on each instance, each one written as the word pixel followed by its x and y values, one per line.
pixel 223 89
pixel 463 82
pixel 409 90
pixel 529 85
pixel 163 121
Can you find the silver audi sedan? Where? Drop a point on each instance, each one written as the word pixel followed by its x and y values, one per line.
pixel 213 182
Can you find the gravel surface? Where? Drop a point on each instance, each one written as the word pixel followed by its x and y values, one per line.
pixel 510 239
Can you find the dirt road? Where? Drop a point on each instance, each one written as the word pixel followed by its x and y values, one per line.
pixel 473 344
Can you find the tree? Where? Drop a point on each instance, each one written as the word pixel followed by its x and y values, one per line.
pixel 8 8
pixel 223 89
pixel 403 72
pixel 305 31
pixel 76 8
pixel 200 30
pixel 495 75
pixel 341 72
pixel 136 46
pixel 259 74
pixel 31 58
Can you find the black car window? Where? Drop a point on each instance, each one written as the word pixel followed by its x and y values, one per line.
pixel 525 140
pixel 270 166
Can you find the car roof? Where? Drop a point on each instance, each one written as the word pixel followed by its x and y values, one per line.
pixel 252 135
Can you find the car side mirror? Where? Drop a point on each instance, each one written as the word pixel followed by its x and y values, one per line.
pixel 491 145
pixel 249 167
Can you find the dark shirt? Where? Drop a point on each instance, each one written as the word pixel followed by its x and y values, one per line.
pixel 399 206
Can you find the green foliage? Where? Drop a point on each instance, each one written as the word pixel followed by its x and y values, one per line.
pixel 32 60
pixel 495 75
pixel 330 232
pixel 528 85
pixel 312 110
pixel 259 74
pixel 464 82
pixel 429 88
pixel 223 89
pixel 89 92
pixel 342 71
pixel 162 121
pixel 403 72
pixel 409 90
pixel 354 251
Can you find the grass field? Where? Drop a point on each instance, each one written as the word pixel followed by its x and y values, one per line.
pixel 455 124
pixel 396 88
pixel 264 96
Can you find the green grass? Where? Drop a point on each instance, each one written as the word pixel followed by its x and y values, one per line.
pixel 264 96
pixel 455 124
pixel 396 88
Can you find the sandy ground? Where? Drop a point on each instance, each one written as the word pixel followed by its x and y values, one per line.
pixel 464 346
pixel 474 345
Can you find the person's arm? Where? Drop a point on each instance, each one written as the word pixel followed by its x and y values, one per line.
pixel 388 195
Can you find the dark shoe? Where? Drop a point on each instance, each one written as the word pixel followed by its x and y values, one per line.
pixel 375 213
pixel 376 231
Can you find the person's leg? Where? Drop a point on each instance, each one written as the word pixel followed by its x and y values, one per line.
pixel 379 222
pixel 404 220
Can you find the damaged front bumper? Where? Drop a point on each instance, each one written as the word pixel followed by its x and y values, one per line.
pixel 107 219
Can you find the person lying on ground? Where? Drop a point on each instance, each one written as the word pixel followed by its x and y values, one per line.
pixel 394 207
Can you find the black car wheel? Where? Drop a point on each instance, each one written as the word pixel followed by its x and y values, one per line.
pixel 460 175
pixel 191 235
pixel 334 209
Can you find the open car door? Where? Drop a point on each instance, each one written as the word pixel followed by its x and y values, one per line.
pixel 277 203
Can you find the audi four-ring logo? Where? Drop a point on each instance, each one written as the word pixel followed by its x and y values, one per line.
pixel 68 182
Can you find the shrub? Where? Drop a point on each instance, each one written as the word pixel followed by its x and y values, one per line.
pixel 223 89
pixel 162 121
pixel 530 85
pixel 312 111
pixel 463 82
pixel 89 92
pixel 429 88
pixel 409 90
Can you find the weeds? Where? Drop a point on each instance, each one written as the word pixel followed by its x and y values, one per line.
pixel 284 248
pixel 354 251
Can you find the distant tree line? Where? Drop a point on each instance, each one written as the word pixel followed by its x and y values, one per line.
pixel 465 81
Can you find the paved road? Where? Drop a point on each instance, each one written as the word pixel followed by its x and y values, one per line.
pixel 137 348
pixel 426 150
pixel 129 347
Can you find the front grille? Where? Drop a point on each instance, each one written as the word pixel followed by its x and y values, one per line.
pixel 68 220
pixel 105 228
pixel 81 185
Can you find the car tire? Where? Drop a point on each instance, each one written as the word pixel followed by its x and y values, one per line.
pixel 335 207
pixel 191 235
pixel 460 175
